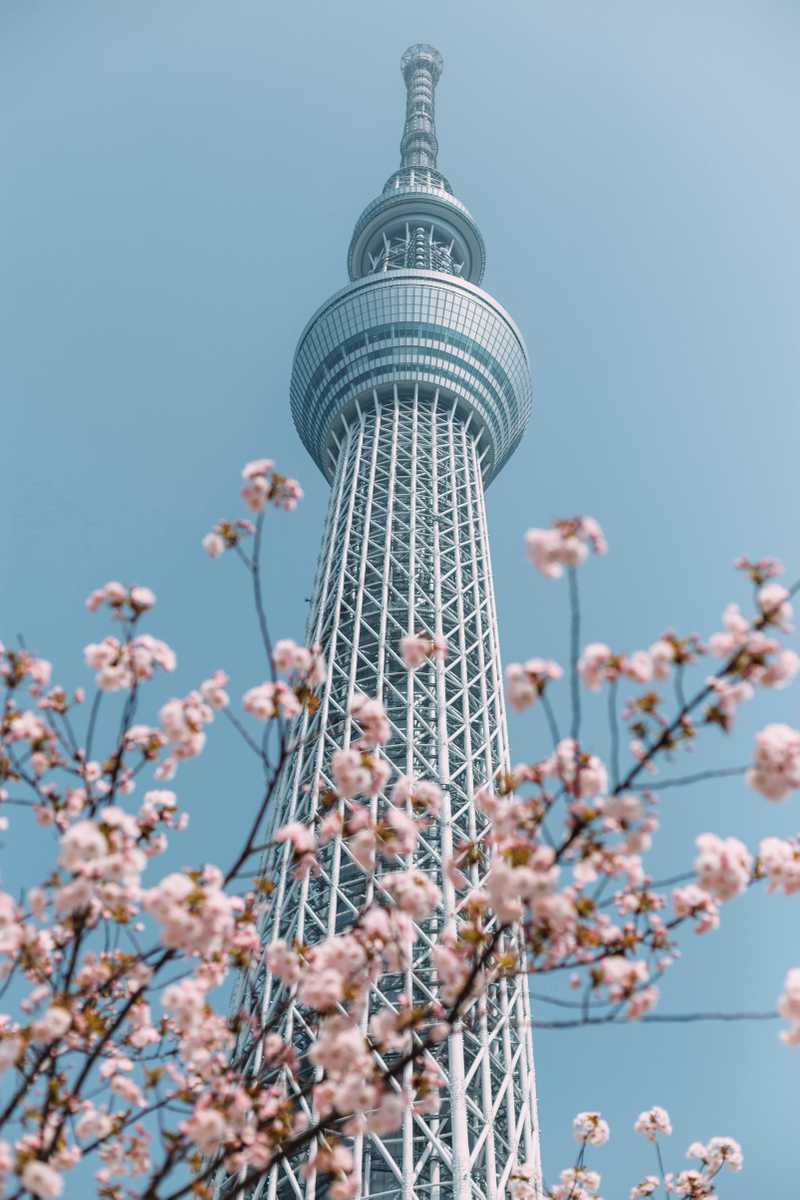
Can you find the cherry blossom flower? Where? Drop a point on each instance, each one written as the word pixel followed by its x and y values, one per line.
pixel 415 648
pixel 773 600
pixel 647 1187
pixel 776 767
pixel 303 844
pixel 307 664
pixel 183 720
pixel 41 1180
pixel 213 690
pixel 789 1007
pixel 214 544
pixel 423 795
pixel 119 665
pixel 283 962
pixel 264 485
pixel 598 665
pixel 359 772
pixel 526 682
pixel 582 774
pixel 269 700
pixel 779 860
pixel 206 1127
pixel 577 1183
pixel 694 901
pixel 522 1182
pixel 566 544
pixel 52 1025
pixel 761 570
pixel 414 892
pixel 125 603
pixel 652 1122
pixel 591 1128
pixel 719 1152
pixel 226 535
pixel 737 630
pixel 371 717
pixel 724 866
pixel 781 669
pixel 728 698
pixel 622 976
pixel 196 916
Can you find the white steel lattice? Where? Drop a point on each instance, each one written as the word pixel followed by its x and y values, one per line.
pixel 406 549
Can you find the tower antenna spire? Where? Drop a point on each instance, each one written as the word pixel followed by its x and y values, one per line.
pixel 421 66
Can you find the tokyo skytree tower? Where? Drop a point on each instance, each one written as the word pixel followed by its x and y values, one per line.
pixel 410 390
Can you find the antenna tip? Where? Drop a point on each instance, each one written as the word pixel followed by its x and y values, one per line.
pixel 422 55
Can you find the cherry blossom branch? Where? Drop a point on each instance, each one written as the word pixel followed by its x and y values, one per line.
pixel 654 1018
pixel 690 705
pixel 698 777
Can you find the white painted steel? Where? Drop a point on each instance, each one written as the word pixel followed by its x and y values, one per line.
pixel 406 548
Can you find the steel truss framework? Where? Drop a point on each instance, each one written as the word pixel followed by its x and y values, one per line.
pixel 406 549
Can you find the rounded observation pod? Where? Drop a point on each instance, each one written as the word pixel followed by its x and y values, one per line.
pixel 408 327
pixel 417 199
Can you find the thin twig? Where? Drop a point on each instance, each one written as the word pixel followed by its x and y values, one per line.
pixel 575 645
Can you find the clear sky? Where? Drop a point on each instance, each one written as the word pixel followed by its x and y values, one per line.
pixel 181 180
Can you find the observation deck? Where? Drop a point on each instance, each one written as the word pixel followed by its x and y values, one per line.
pixel 414 313
pixel 412 327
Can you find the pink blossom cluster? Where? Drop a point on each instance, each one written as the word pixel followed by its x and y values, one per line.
pixel 758 659
pixel 591 1128
pixel 195 913
pixel 724 866
pixel 423 795
pixel 576 1183
pixel 370 716
pixel 416 648
pixel 779 861
pixel 776 766
pixel 789 1007
pixel 698 1183
pixel 646 1187
pixel 18 667
pixel 116 973
pixel 126 604
pixel 582 774
pixel 581 1183
pixel 695 902
pixel 264 485
pixel 394 834
pixel 523 1182
pixel 305 663
pixel 525 682
pixel 279 699
pixel 183 724
pixel 226 535
pixel 121 665
pixel 761 570
pixel 652 1122
pixel 359 772
pixel 268 701
pixel 105 861
pixel 598 665
pixel 566 544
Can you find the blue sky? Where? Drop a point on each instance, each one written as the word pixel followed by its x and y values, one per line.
pixel 181 184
